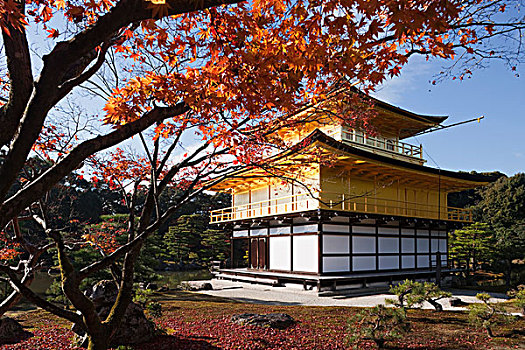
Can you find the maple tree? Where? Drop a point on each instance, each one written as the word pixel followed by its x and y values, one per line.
pixel 230 72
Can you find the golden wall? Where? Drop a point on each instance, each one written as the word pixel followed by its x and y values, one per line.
pixel 343 190
pixel 338 189
pixel 292 192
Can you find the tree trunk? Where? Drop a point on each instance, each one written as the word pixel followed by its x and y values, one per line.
pixel 97 345
pixel 468 267
pixel 98 341
pixel 508 274
pixel 489 331
pixel 9 301
pixel 380 343
pixel 12 299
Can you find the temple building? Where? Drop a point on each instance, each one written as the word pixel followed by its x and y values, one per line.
pixel 372 212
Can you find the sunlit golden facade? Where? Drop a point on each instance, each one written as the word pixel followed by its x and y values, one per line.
pixel 364 204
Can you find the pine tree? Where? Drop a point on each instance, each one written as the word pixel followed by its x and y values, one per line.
pixel 472 245
pixel 215 245
pixel 183 239
pixel 503 206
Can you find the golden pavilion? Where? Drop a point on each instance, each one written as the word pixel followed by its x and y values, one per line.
pixel 373 213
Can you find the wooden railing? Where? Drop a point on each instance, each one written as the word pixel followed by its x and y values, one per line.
pixel 459 214
pixel 337 201
pixel 388 145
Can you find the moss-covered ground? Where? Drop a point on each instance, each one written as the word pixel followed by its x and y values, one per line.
pixel 196 321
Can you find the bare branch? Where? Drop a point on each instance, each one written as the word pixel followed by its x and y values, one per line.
pixel 44 304
pixel 42 184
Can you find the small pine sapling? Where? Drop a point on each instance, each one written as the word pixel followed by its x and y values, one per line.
pixel 143 297
pixel 405 294
pixel 487 315
pixel 519 297
pixel 431 293
pixel 154 309
pixel 378 324
pixel 412 294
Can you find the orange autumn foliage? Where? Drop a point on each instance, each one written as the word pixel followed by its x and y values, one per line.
pixel 230 73
pixel 259 59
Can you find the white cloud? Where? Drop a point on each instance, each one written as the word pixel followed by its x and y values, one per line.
pixel 396 89
pixel 185 150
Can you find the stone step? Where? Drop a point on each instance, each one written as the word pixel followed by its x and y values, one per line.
pixel 247 279
pixel 354 292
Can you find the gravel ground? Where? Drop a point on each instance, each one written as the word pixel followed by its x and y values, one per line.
pixel 260 294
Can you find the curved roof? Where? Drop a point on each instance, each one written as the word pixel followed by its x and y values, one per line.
pixel 458 181
pixel 392 121
pixel 432 119
pixel 319 136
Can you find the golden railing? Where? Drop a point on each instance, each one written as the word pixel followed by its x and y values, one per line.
pixel 388 145
pixel 280 205
pixel 336 201
pixel 387 206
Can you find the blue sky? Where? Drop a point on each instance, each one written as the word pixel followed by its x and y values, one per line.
pixel 496 143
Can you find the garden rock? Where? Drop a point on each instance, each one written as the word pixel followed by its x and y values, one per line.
pixel 279 321
pixel 135 327
pixel 196 286
pixel 457 302
pixel 12 332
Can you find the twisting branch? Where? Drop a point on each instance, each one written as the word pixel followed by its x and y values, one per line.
pixel 21 288
pixel 147 231
pixel 26 280
pixel 101 56
pixel 70 284
pixel 71 83
pixel 44 182
pixel 174 144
